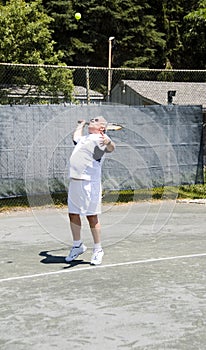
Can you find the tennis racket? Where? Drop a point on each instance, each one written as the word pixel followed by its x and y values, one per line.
pixel 110 126
pixel 114 127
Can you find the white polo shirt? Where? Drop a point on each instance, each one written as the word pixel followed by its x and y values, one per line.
pixel 86 159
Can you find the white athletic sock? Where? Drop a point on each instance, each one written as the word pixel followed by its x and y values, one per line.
pixel 97 246
pixel 77 243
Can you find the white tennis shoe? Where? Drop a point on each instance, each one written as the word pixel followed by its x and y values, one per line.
pixel 75 252
pixel 97 257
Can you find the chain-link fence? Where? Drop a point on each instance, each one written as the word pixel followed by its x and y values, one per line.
pixel 31 84
pixel 22 84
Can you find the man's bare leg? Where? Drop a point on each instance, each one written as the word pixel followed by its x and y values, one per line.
pixel 95 228
pixel 96 233
pixel 78 247
pixel 75 224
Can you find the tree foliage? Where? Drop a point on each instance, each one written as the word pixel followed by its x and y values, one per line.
pixel 195 37
pixel 153 34
pixel 85 42
pixel 25 37
pixel 148 34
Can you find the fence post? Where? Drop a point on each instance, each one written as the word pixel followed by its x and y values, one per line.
pixel 111 38
pixel 87 85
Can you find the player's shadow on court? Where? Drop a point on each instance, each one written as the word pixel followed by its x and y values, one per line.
pixel 56 259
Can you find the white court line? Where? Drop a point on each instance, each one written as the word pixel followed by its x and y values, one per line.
pixel 103 266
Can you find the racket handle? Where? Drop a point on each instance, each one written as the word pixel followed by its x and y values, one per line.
pixel 80 121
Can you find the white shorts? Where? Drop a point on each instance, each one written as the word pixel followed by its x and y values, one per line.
pixel 84 197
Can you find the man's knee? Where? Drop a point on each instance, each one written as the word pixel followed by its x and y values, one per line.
pixel 93 220
pixel 73 217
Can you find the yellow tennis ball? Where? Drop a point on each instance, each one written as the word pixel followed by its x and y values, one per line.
pixel 78 16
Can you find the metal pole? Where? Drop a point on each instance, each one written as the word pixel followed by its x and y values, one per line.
pixel 88 87
pixel 109 68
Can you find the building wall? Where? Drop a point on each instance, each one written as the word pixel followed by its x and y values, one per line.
pixel 125 95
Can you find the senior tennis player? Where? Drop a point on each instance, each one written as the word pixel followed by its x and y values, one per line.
pixel 85 192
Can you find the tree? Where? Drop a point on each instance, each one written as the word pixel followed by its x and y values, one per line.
pixel 68 33
pixel 172 17
pixel 170 20
pixel 195 37
pixel 137 41
pixel 85 42
pixel 25 37
pixel 141 42
pixel 24 33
